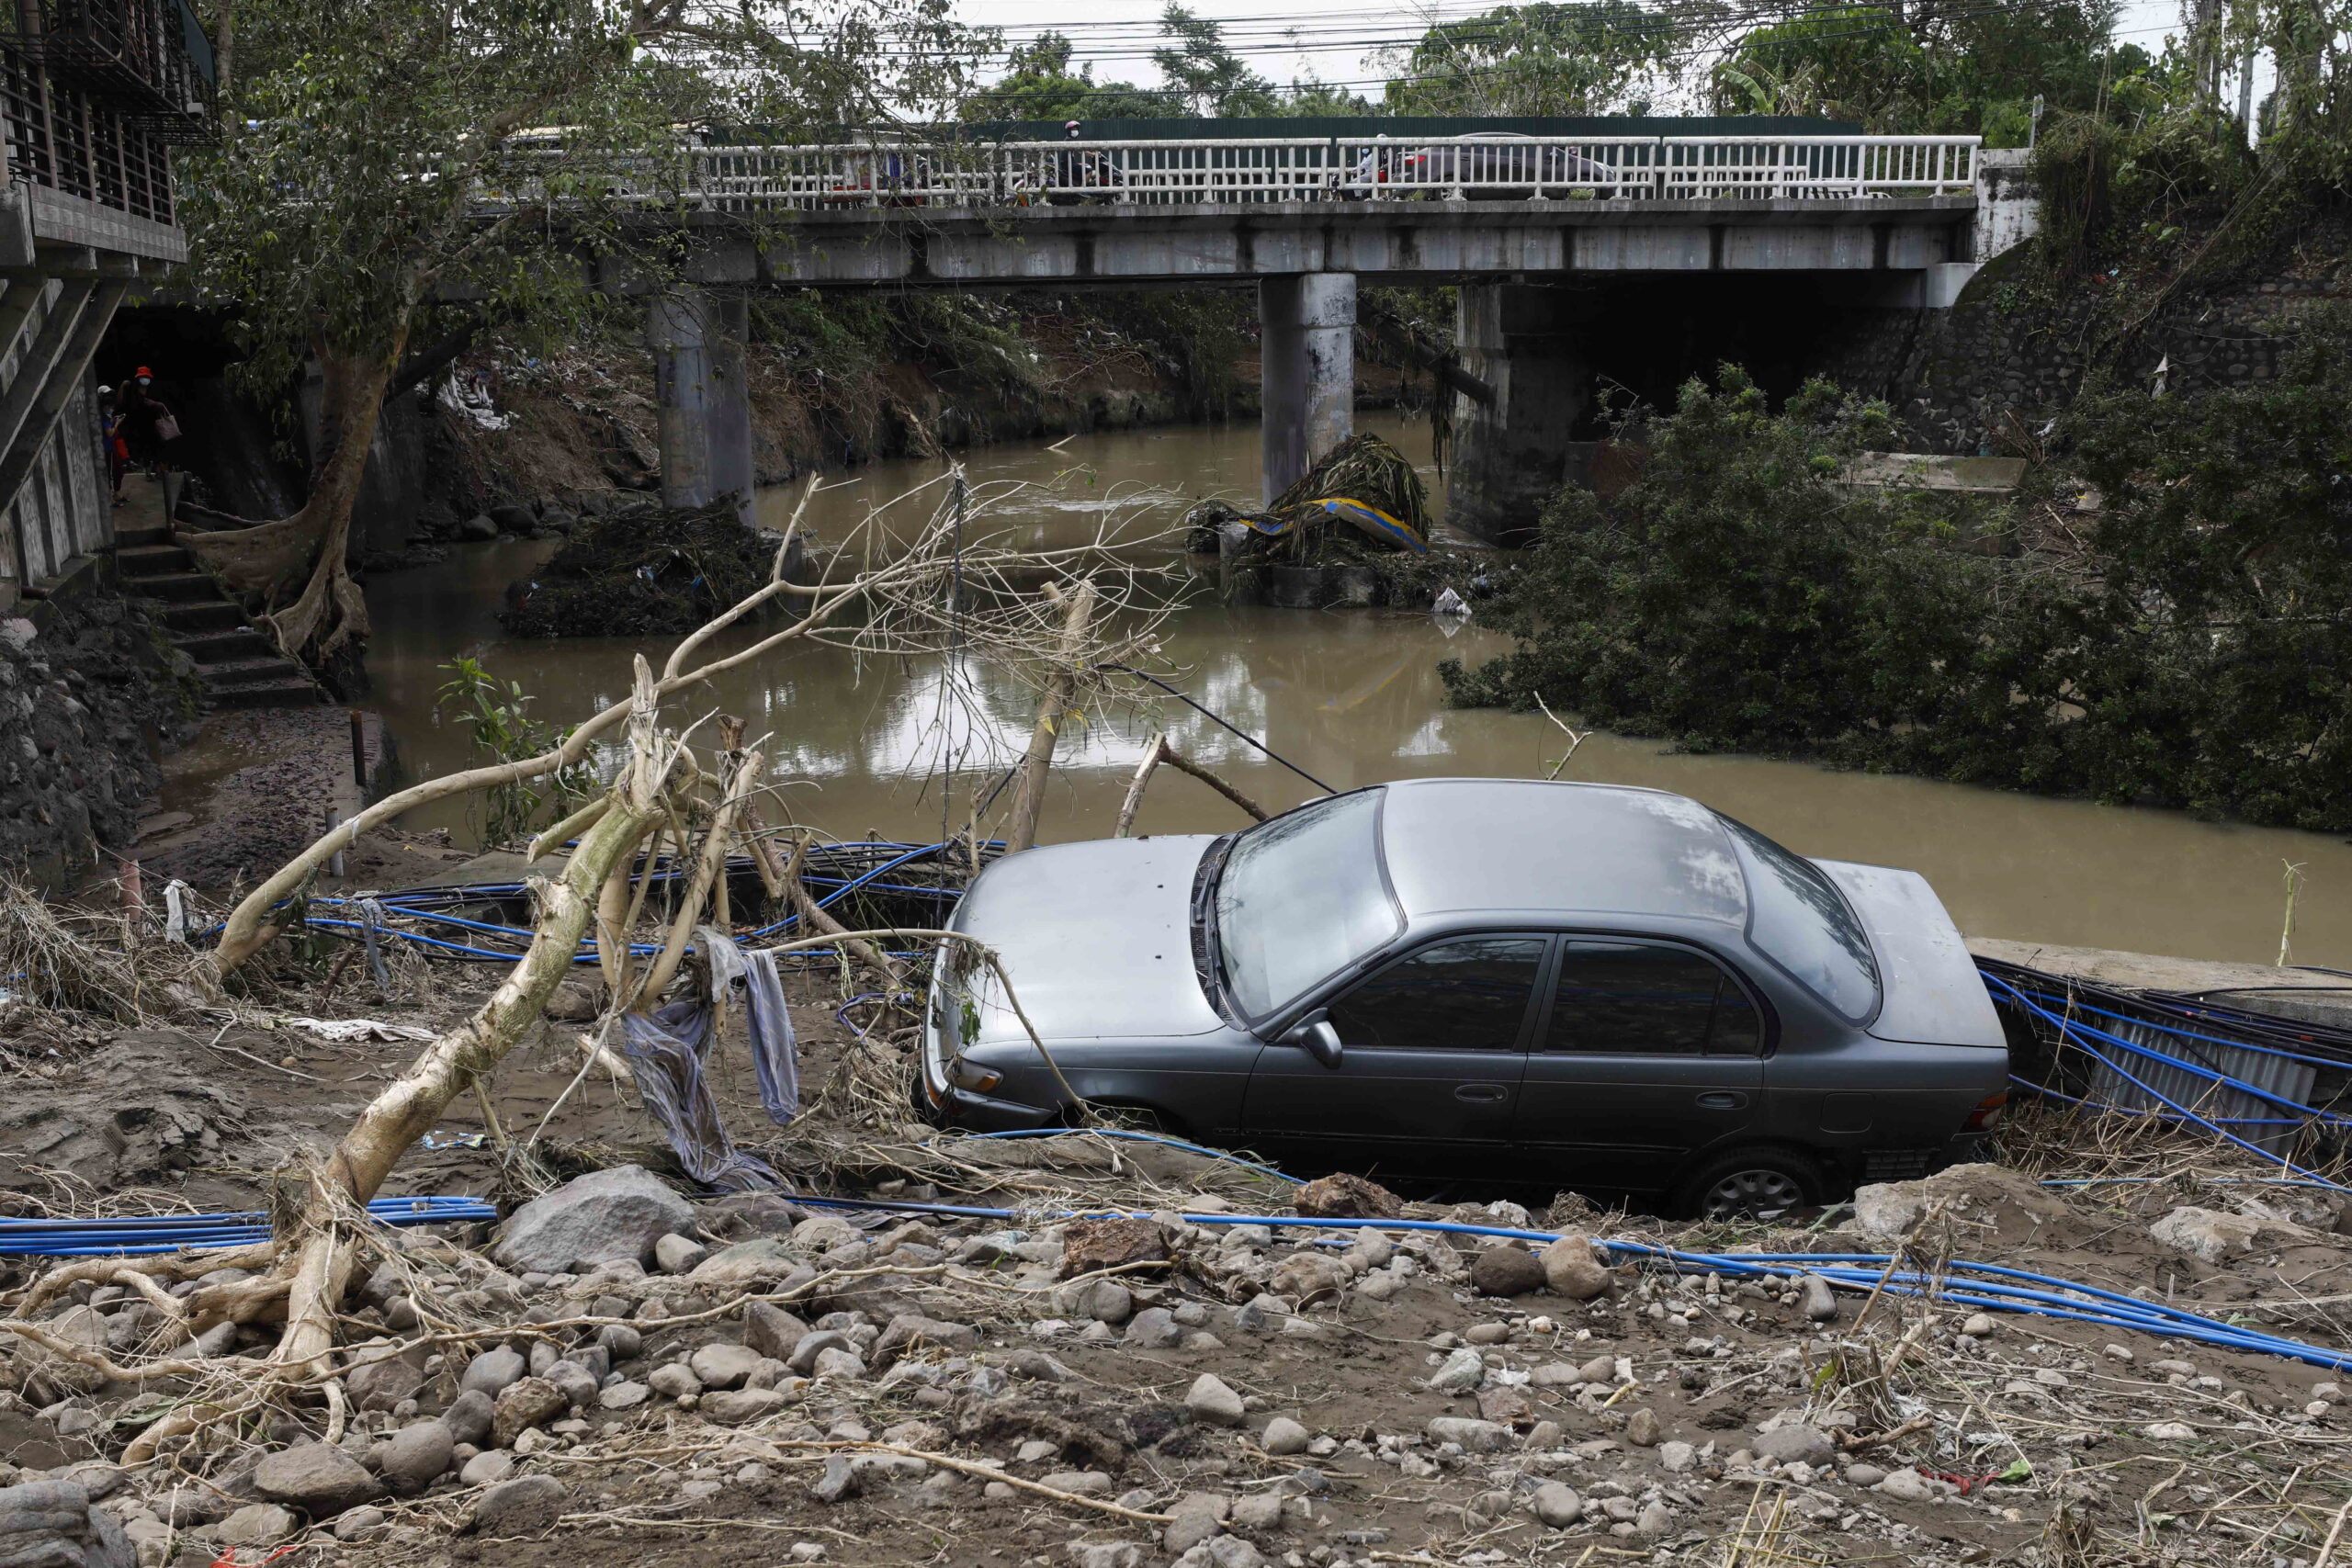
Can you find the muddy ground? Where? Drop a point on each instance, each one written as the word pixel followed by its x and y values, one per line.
pixel 1251 1398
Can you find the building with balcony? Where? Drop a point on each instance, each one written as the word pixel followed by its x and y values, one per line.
pixel 94 94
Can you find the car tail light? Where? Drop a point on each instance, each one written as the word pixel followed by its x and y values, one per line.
pixel 972 1075
pixel 1987 1115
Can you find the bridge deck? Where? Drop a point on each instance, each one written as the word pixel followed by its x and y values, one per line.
pixel 1119 244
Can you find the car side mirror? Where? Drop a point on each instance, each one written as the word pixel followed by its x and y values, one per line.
pixel 1315 1035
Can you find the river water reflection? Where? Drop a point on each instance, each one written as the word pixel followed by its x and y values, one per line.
pixel 1353 697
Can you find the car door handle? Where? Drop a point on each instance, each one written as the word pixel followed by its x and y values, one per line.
pixel 1721 1099
pixel 1481 1093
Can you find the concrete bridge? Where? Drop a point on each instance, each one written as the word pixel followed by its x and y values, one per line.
pixel 1883 220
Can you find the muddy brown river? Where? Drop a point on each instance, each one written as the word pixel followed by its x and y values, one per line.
pixel 1353 697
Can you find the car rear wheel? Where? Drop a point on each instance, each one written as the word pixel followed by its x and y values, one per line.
pixel 1749 1184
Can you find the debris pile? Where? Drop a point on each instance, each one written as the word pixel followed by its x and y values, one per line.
pixel 639 570
pixel 1363 500
pixel 1193 1382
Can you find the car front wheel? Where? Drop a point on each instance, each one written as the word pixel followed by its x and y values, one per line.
pixel 1746 1184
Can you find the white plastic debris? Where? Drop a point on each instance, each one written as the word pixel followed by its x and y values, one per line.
pixel 360 1029
pixel 175 911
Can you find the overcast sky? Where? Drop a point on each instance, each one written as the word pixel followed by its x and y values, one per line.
pixel 1284 41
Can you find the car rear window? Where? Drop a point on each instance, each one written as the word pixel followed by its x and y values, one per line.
pixel 1799 920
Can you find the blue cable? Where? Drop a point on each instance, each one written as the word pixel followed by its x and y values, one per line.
pixel 75 1237
pixel 2039 1295
pixel 2081 1031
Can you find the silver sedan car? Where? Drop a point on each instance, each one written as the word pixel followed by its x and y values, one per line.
pixel 1498 980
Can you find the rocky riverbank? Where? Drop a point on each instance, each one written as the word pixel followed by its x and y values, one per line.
pixel 627 1363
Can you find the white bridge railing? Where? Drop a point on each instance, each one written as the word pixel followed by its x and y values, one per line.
pixel 882 171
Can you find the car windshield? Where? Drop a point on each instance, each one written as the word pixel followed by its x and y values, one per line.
pixel 1801 922
pixel 1301 896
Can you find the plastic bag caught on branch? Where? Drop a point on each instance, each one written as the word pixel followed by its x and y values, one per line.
pixel 668 1049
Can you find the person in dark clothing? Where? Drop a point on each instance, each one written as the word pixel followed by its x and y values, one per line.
pixel 111 440
pixel 149 423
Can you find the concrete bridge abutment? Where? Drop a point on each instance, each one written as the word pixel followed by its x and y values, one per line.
pixel 1308 362
pixel 703 396
pixel 1510 456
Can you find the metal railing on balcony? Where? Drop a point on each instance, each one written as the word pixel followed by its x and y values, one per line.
pixel 883 171
pixel 93 93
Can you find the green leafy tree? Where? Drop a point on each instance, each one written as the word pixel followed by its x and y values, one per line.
pixel 1040 85
pixel 1606 57
pixel 388 167
pixel 1203 73
pixel 1921 68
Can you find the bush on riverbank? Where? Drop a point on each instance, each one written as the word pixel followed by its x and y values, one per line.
pixel 2189 644
pixel 641 571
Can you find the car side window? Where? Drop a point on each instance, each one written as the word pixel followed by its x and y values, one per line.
pixel 1470 994
pixel 1638 998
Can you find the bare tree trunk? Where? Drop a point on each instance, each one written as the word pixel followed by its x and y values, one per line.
pixel 1052 708
pixel 413 1103
pixel 296 572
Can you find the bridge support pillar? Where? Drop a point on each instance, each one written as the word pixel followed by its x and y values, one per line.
pixel 703 396
pixel 1306 333
pixel 1512 455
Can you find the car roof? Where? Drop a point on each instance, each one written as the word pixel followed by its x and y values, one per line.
pixel 1529 846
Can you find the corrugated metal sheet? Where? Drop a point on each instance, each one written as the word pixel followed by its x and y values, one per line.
pixel 2259 1121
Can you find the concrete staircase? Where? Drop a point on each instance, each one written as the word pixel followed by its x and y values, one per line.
pixel 241 668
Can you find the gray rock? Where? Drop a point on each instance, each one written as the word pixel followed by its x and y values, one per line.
pixel 534 1402
pixel 621 1341
pixel 320 1479
pixel 1908 1485
pixel 1653 1520
pixel 1258 1511
pixel 1475 1436
pixel 1980 1326
pixel 519 1507
pixel 493 1371
pixel 723 1366
pixel 50 1524
pixel 1100 1301
pixel 771 1331
pixel 1223 1552
pixel 1194 1518
pixel 1795 1445
pixel 763 1261
pixel 1154 1328
pixel 416 1456
pixel 1864 1475
pixel 513 517
pixel 624 1395
pixel 603 1217
pixel 469 1417
pixel 479 529
pixel 358 1522
pixel 674 1381
pixel 731 1408
pixel 1640 1429
pixel 1505 1271
pixel 1816 1300
pixel 1570 1269
pixel 1557 1505
pixel 1462 1371
pixel 379 1379
pixel 910 1331
pixel 1210 1400
pixel 1285 1436
pixel 1104 1554
pixel 258 1524
pixel 1677 1457
pixel 487 1468
pixel 678 1254
pixel 838 1482
pixel 1085 1482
